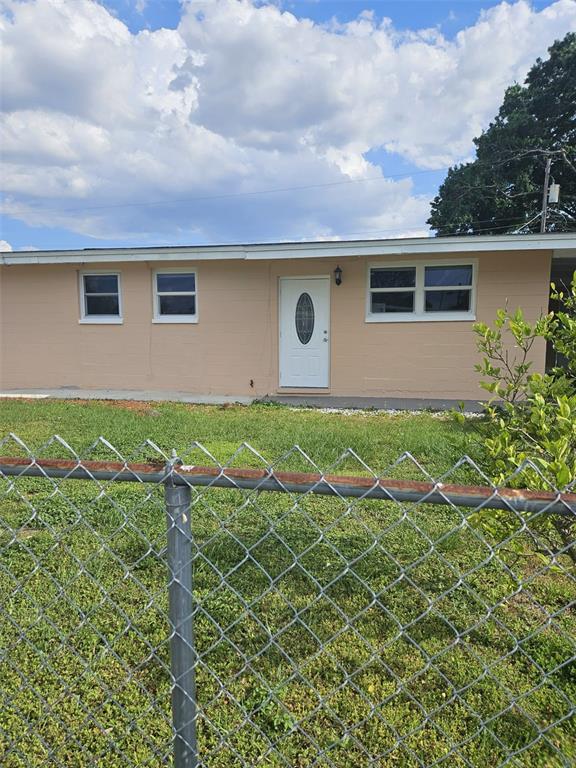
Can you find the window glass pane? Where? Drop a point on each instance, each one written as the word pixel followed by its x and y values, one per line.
pixel 393 277
pixel 447 301
pixel 304 318
pixel 397 301
pixel 176 282
pixel 101 283
pixel 102 305
pixel 448 276
pixel 177 305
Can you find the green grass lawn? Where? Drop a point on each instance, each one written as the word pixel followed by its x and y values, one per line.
pixel 329 632
pixel 379 439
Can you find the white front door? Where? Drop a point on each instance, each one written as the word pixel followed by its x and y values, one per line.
pixel 304 332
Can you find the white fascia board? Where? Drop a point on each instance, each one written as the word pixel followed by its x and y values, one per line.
pixel 320 251
pixel 569 253
pixel 559 244
pixel 105 257
pixel 430 246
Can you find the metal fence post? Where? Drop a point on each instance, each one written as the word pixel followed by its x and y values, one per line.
pixel 182 650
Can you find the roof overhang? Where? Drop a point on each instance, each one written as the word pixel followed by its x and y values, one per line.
pixel 567 253
pixel 559 244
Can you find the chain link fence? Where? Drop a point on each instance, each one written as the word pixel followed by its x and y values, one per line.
pixel 173 610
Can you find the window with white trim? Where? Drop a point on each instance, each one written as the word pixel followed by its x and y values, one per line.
pixel 392 289
pixel 100 299
pixel 448 289
pixel 175 299
pixel 421 291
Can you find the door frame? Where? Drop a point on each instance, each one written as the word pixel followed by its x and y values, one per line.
pixel 289 387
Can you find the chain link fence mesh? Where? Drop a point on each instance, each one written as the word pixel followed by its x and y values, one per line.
pixel 401 622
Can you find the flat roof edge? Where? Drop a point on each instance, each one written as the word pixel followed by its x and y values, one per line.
pixel 300 250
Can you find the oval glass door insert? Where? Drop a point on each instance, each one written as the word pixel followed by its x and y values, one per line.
pixel 304 318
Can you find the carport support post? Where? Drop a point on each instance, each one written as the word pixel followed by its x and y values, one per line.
pixel 182 651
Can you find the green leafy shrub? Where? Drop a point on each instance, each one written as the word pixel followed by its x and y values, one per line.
pixel 529 432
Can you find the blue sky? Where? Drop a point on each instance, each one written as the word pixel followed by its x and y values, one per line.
pixel 449 15
pixel 128 122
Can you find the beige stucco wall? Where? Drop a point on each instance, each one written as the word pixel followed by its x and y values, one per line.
pixel 42 344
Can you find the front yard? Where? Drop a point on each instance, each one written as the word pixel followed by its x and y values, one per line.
pixel 330 632
pixel 378 438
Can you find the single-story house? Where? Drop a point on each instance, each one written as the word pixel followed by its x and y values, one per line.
pixel 362 319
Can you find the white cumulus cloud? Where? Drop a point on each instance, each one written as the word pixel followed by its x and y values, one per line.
pixel 171 134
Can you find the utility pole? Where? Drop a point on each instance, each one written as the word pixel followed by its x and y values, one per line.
pixel 545 195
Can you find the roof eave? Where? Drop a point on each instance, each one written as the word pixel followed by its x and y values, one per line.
pixel 557 243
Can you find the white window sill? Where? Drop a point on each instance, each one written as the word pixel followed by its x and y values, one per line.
pixel 101 320
pixel 432 317
pixel 175 319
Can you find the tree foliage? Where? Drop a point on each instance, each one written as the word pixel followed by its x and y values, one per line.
pixel 501 190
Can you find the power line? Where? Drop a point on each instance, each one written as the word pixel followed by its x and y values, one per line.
pixel 513 225
pixel 225 195
pixel 277 190
pixel 510 226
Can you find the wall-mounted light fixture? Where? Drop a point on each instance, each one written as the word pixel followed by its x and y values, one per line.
pixel 338 275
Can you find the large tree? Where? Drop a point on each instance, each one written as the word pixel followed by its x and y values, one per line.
pixel 501 191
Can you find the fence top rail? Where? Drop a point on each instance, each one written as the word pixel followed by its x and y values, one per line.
pixel 269 479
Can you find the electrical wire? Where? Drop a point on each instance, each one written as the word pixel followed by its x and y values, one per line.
pixel 512 224
pixel 253 193
pixel 202 198
pixel 372 234
pixel 277 190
